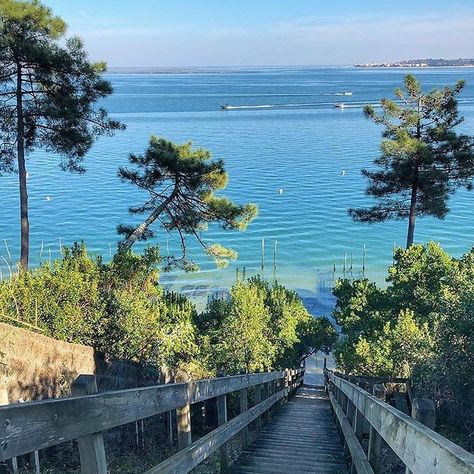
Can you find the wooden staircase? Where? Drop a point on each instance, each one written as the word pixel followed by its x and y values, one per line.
pixel 302 438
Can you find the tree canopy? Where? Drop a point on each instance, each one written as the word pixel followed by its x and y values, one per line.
pixel 181 183
pixel 260 326
pixel 423 159
pixel 419 326
pixel 48 89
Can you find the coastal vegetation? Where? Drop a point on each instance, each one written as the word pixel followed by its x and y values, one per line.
pixel 121 310
pixel 181 183
pixel 48 90
pixel 423 160
pixel 419 326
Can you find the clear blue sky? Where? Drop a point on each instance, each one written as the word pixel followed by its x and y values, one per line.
pixel 268 32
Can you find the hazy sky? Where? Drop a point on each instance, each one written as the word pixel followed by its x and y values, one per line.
pixel 268 32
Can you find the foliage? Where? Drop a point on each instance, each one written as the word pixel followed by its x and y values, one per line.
pixel 423 160
pixel 119 308
pixel 48 89
pixel 181 183
pixel 116 307
pixel 421 325
pixel 260 327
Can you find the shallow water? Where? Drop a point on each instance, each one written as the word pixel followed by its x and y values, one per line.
pixel 297 142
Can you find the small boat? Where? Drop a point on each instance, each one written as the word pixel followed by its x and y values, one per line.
pixel 225 107
pixel 340 106
pixel 348 93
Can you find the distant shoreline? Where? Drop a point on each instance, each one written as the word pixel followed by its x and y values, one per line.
pixel 420 63
pixel 257 69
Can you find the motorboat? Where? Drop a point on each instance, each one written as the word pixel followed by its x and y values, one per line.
pixel 348 93
pixel 225 107
pixel 340 106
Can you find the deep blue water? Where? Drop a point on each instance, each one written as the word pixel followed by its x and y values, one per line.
pixel 298 143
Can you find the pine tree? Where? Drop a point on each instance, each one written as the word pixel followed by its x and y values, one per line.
pixel 181 183
pixel 47 90
pixel 423 160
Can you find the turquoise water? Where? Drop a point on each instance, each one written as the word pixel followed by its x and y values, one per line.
pixel 298 143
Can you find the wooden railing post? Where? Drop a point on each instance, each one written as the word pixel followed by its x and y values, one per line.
pixel 91 447
pixel 266 414
pixel 375 440
pixel 258 399
pixel 183 418
pixel 350 411
pixel 4 401
pixel 183 421
pixel 221 420
pixel 243 395
pixel 358 425
pixel 424 411
pixel 169 427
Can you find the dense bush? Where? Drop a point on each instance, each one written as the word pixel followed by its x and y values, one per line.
pixel 117 307
pixel 421 325
pixel 120 309
pixel 260 327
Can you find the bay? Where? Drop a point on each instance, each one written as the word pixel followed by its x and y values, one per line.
pixel 286 148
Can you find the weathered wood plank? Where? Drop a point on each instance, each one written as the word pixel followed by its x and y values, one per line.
pixel 244 406
pixel 375 440
pixel 36 425
pixel 222 420
pixel 301 439
pixel 359 459
pixel 91 447
pixel 185 460
pixel 420 448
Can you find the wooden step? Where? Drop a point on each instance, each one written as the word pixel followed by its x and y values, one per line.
pixel 300 438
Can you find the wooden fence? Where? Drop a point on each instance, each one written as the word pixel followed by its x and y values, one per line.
pixel 29 427
pixel 421 449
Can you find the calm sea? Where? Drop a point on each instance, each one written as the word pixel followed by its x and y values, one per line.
pixel 286 148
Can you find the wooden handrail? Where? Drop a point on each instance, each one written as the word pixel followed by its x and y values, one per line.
pixel 27 427
pixel 421 449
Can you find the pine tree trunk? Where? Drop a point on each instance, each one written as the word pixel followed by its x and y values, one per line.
pixel 127 243
pixel 24 219
pixel 414 189
pixel 412 217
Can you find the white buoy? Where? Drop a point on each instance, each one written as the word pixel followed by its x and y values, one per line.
pixel 280 191
pixel 48 198
pixel 343 172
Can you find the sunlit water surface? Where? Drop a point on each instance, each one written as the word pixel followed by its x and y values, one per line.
pixel 291 138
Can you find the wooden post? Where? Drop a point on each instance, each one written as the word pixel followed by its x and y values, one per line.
pixel 266 414
pixel 4 401
pixel 91 447
pixel 243 396
pixel 424 411
pixel 358 425
pixel 35 462
pixel 375 440
pixel 169 427
pixel 183 418
pixel 221 420
pixel 288 383
pixel 350 409
pixel 258 399
pixel 183 422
